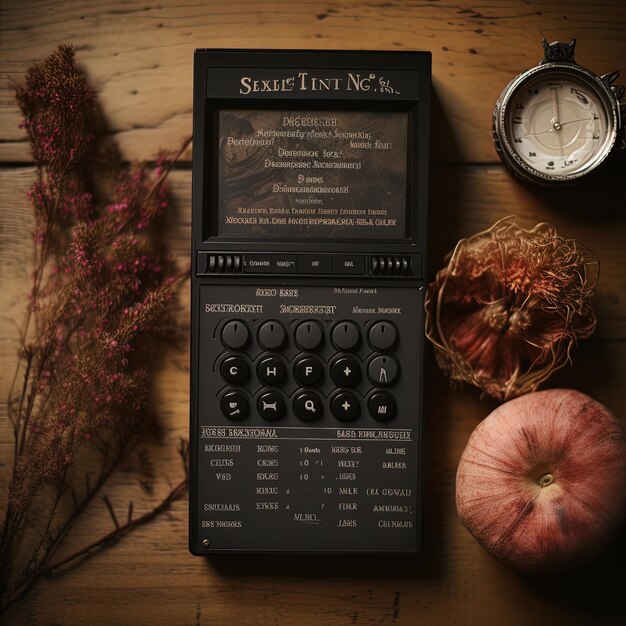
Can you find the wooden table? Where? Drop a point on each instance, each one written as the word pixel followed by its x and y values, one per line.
pixel 139 56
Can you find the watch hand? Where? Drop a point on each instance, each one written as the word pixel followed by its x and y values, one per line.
pixel 555 123
pixel 552 129
pixel 555 108
pixel 582 119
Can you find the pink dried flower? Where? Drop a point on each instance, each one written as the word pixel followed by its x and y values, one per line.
pixel 59 110
pixel 100 289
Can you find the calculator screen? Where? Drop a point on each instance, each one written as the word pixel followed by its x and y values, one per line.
pixel 314 174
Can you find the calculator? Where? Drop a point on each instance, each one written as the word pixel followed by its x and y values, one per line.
pixel 310 194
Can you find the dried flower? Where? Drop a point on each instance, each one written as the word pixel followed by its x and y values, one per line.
pixel 59 110
pixel 507 310
pixel 101 290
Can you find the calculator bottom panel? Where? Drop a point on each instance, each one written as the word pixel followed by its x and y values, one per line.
pixel 307 419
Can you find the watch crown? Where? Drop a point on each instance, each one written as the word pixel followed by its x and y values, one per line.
pixel 558 51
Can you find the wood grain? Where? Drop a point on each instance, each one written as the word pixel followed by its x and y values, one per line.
pixel 138 54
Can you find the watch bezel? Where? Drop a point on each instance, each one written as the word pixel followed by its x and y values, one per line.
pixel 505 147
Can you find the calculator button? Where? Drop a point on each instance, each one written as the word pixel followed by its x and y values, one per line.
pixel 382 336
pixel 202 263
pixel 346 371
pixel 348 264
pixel 382 406
pixel 271 405
pixel 235 405
pixel 272 335
pixel 307 406
pixel 308 371
pixel 383 370
pixel 314 264
pixel 270 263
pixel 235 335
pixel 309 335
pixel 346 336
pixel 345 406
pixel 235 370
pixel 271 370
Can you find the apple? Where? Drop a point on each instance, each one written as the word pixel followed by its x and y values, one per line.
pixel 541 483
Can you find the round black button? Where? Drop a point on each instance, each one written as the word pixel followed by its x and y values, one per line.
pixel 382 406
pixel 235 405
pixel 345 406
pixel 271 405
pixel 308 371
pixel 346 336
pixel 235 370
pixel 309 335
pixel 272 335
pixel 383 370
pixel 346 371
pixel 307 406
pixel 383 336
pixel 271 370
pixel 235 335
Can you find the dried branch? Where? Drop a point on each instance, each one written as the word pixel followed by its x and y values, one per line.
pixel 101 285
pixel 176 493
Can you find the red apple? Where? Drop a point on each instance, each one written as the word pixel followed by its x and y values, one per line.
pixel 542 481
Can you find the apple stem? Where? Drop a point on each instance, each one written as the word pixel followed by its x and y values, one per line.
pixel 546 479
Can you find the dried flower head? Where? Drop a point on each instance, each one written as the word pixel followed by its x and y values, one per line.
pixel 59 110
pixel 507 310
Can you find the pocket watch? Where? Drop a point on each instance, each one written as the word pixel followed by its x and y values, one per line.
pixel 556 123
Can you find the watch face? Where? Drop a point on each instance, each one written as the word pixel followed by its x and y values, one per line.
pixel 558 124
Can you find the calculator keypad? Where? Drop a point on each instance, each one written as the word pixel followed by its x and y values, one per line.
pixel 316 432
pixel 334 368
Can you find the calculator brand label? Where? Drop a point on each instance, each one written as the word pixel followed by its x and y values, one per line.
pixel 312 83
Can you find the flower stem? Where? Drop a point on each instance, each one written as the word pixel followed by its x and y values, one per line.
pixel 24 585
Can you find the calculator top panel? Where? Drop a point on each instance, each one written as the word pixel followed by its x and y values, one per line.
pixel 297 150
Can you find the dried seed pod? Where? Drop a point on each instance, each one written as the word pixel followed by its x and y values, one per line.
pixel 507 310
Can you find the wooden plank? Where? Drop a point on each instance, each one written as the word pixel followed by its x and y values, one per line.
pixel 138 54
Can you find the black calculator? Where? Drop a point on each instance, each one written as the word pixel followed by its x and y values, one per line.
pixel 310 192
